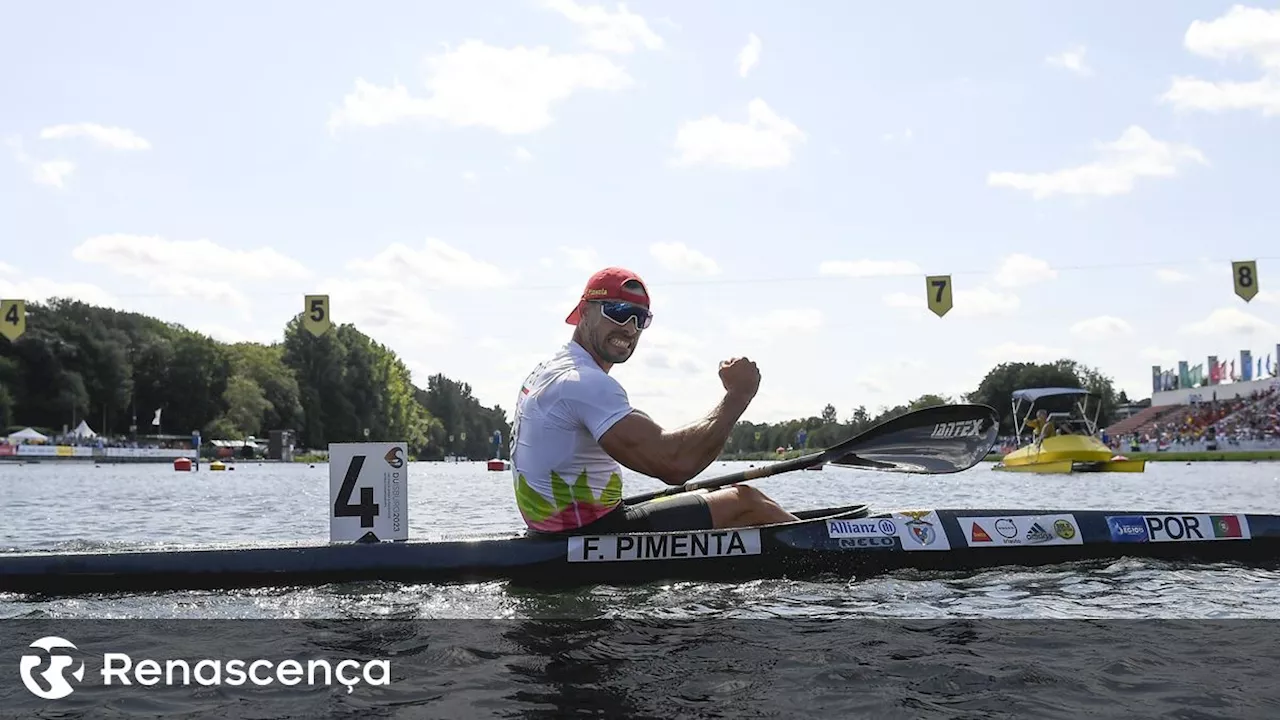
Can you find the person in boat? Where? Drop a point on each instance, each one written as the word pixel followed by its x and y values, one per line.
pixel 575 429
pixel 1042 426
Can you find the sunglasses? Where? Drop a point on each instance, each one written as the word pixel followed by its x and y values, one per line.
pixel 621 313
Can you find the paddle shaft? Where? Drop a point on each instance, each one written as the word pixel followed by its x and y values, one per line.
pixel 754 473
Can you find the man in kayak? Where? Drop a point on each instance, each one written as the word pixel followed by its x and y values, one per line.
pixel 575 428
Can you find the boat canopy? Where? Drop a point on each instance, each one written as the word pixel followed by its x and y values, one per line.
pixel 1034 394
pixel 1031 395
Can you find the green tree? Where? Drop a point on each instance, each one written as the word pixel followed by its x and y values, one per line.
pixel 829 414
pixel 246 407
pixel 996 389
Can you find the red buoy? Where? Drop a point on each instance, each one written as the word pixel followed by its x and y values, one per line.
pixel 182 464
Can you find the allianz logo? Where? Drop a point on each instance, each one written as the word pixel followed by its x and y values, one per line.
pixel 882 526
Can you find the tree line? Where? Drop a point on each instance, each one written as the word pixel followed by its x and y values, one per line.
pixel 115 369
pixel 78 361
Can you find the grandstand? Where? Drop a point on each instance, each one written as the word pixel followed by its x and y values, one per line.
pixel 1143 421
pixel 1194 408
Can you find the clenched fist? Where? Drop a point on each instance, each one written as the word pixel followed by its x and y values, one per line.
pixel 740 377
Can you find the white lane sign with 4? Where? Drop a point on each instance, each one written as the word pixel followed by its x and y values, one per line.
pixel 368 491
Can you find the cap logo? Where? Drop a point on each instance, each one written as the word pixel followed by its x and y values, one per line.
pixel 596 291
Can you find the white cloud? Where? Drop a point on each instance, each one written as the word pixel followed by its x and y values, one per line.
pixel 1241 33
pixel 1230 321
pixel 776 322
pixel 1169 275
pixel 1019 270
pixel 679 257
pixel 667 349
pixel 43 172
pixel 764 141
pixel 1135 154
pixel 1020 352
pixel 470 176
pixel 586 259
pixel 151 256
pixel 1193 94
pixel 978 302
pixel 1104 326
pixel 7 269
pixel 1159 354
pixel 39 289
pixel 1071 59
pixel 982 301
pixel 567 299
pixel 523 155
pixel 508 90
pixel 749 56
pixel 868 268
pixel 437 263
pixel 618 32
pixel 116 138
pixel 905 300
pixel 904 136
pixel 393 310
pixel 180 268
pixel 53 173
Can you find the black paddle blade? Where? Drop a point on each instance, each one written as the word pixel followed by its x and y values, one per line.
pixel 956 438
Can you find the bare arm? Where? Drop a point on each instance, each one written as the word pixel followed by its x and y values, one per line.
pixel 676 456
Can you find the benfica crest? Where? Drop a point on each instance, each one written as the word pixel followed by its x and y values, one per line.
pixel 922 531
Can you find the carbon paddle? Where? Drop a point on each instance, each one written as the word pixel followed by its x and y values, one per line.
pixel 932 441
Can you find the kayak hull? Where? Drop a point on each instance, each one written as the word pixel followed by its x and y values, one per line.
pixel 845 542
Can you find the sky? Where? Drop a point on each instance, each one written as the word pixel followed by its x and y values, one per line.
pixel 782 175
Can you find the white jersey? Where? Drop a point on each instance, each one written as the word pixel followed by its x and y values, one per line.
pixel 563 478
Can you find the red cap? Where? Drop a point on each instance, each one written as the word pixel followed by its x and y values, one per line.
pixel 607 285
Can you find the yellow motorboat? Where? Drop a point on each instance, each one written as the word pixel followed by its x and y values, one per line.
pixel 1070 442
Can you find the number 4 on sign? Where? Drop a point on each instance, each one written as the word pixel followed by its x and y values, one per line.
pixel 368 492
pixel 938 288
pixel 1245 276
pixel 13 318
pixel 315 314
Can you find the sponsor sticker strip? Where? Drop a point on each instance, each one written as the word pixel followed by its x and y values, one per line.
pixel 1020 530
pixel 1177 527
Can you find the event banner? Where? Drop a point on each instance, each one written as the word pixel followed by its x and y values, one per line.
pixel 639 668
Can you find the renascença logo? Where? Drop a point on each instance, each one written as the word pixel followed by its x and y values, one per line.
pixel 120 668
pixel 58 687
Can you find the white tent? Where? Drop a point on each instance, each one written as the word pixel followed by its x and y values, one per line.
pixel 83 431
pixel 26 434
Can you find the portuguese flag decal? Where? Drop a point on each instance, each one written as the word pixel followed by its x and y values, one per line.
pixel 1225 526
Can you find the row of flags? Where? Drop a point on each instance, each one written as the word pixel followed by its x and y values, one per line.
pixel 1186 376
